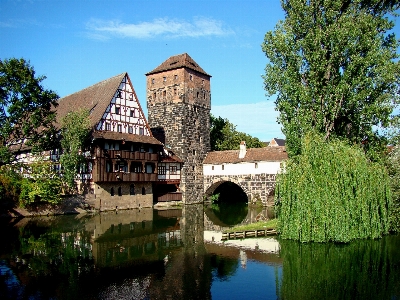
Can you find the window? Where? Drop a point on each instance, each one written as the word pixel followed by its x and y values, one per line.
pixel 108 126
pixel 121 167
pixel 130 97
pixel 162 170
pixel 191 77
pixel 212 168
pixel 141 131
pixel 197 94
pixel 108 166
pixel 117 110
pixel 130 129
pixel 202 82
pixel 153 81
pixel 119 128
pixel 176 77
pixel 119 94
pixel 164 79
pixel 119 191
pixel 136 167
pixel 175 92
pixel 132 189
pixel 223 167
pixel 256 165
pixel 173 170
pixel 194 152
pixel 132 113
pixel 112 192
pixel 143 191
pixel 164 93
pixel 154 96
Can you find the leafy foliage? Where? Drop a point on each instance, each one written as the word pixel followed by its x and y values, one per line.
pixel 394 172
pixel 332 192
pixel 26 108
pixel 75 129
pixel 224 136
pixel 10 185
pixel 42 185
pixel 334 67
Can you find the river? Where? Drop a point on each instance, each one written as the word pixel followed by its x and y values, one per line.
pixel 179 254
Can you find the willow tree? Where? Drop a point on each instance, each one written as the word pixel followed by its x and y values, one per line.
pixel 333 66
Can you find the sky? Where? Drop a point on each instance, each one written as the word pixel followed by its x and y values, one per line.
pixel 77 43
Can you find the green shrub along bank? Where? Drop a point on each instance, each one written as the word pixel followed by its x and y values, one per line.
pixel 332 192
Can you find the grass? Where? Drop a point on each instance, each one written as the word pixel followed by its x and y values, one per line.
pixel 270 224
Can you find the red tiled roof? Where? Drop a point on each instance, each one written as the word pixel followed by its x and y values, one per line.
pixel 177 62
pixel 95 98
pixel 111 135
pixel 252 155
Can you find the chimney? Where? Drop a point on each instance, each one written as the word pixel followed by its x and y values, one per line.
pixel 242 151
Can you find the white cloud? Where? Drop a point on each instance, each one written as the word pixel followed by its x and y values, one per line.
pixel 256 119
pixel 199 27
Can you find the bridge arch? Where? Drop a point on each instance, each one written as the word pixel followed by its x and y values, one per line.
pixel 257 187
pixel 216 182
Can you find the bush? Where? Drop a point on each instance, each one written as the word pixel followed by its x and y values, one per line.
pixel 42 185
pixel 332 192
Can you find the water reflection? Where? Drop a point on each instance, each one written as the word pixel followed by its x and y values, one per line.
pixel 364 269
pixel 179 254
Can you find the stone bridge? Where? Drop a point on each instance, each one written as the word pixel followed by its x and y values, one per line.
pixel 257 187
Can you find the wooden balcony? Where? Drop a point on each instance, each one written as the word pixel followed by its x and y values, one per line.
pixel 128 155
pixel 126 177
pixel 170 197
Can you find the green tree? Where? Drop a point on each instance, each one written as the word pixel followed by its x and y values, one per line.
pixel 75 129
pixel 26 109
pixel 394 172
pixel 334 67
pixel 42 185
pixel 224 136
pixel 332 192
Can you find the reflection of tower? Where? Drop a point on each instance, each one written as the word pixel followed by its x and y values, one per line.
pixel 179 104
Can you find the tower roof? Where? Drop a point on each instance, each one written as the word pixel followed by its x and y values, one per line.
pixel 176 62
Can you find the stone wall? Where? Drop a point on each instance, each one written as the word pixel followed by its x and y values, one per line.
pixel 102 199
pixel 258 187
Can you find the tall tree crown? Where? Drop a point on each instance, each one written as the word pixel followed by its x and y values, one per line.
pixel 333 65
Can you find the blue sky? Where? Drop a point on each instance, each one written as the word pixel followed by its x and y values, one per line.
pixel 79 43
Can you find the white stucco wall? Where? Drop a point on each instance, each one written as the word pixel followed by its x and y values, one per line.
pixel 263 167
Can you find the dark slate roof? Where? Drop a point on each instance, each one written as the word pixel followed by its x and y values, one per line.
pixel 95 98
pixel 177 62
pixel 252 155
pixel 112 135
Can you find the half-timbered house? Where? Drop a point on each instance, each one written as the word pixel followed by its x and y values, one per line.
pixel 126 167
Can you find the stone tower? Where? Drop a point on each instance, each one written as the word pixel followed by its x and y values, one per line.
pixel 179 104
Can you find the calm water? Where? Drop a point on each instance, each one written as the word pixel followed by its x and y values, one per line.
pixel 178 254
